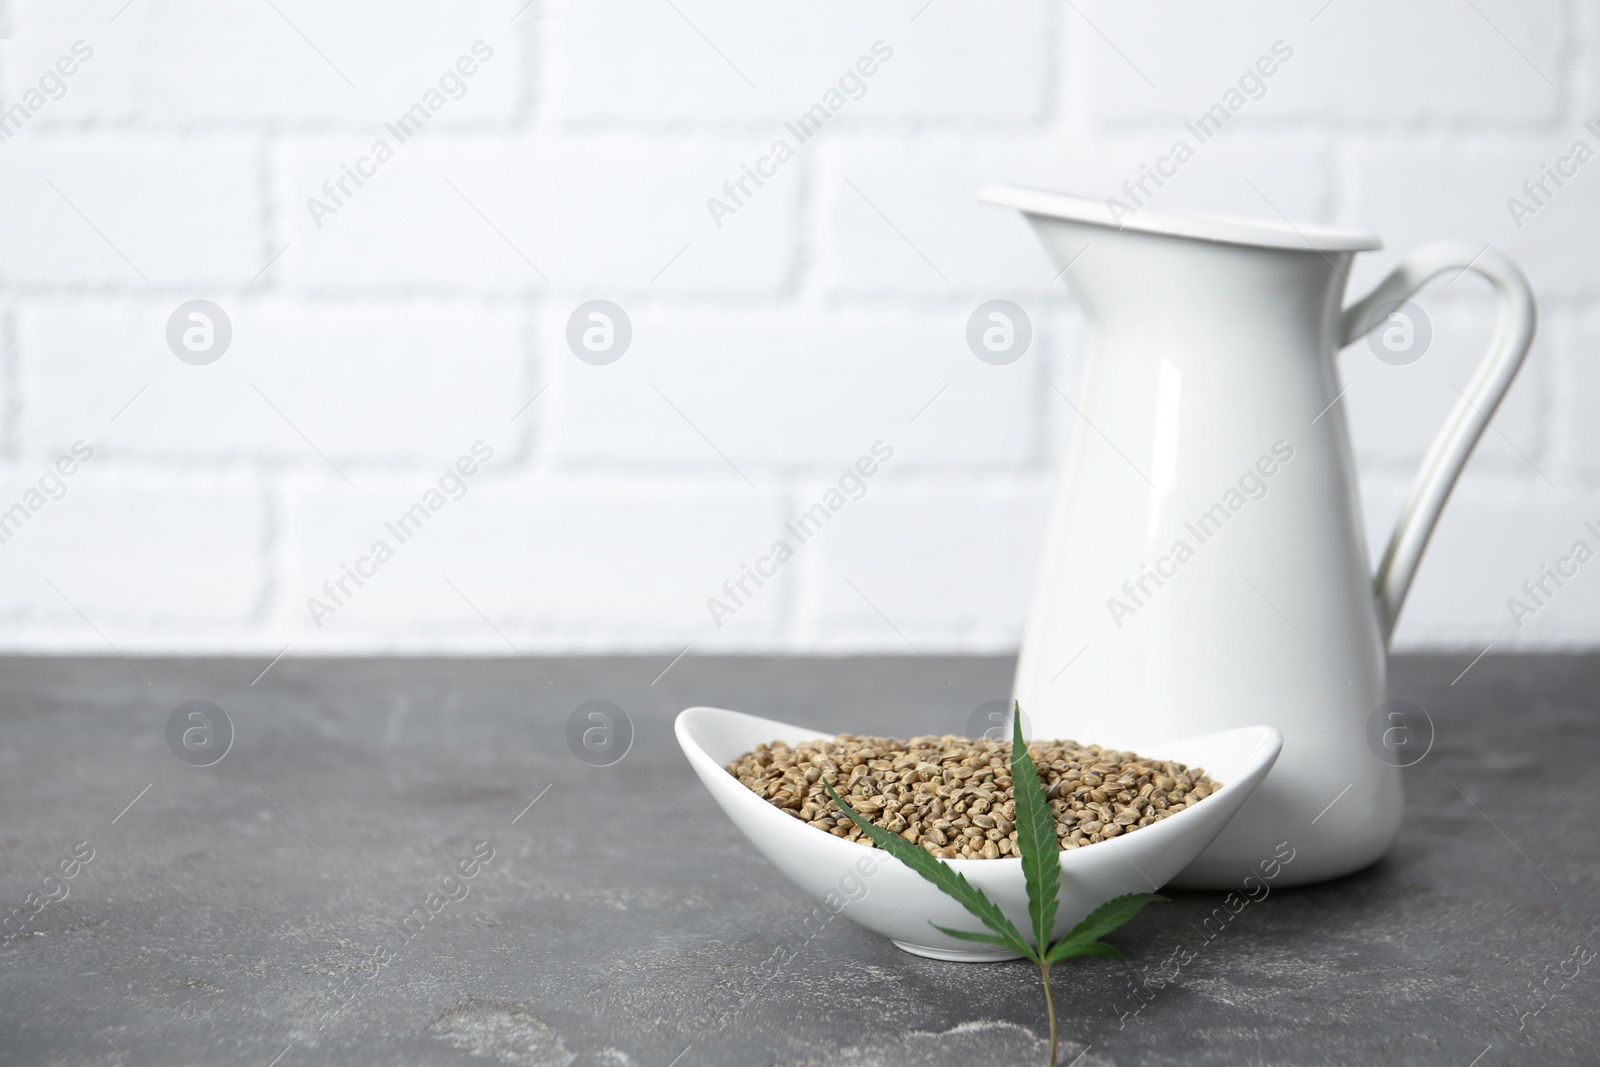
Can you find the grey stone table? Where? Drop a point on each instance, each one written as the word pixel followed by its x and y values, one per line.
pixel 307 899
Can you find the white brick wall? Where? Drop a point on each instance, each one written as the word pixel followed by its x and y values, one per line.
pixel 826 313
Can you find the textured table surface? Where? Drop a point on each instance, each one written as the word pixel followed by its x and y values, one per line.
pixel 255 911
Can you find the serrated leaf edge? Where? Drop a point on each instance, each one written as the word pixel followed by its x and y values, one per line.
pixel 943 877
pixel 1036 837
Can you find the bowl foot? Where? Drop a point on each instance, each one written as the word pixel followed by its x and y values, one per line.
pixel 959 955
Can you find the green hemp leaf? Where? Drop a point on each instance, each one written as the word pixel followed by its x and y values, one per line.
pixel 1041 872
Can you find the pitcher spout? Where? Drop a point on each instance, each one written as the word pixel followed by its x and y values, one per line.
pixel 1146 271
pixel 1224 229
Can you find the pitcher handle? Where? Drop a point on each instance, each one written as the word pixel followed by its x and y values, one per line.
pixel 1513 334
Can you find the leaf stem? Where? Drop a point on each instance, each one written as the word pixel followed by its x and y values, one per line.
pixel 1049 1006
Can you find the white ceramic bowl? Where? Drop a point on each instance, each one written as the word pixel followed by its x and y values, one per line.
pixel 895 901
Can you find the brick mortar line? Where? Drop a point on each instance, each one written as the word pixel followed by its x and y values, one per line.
pixel 273 551
pixel 1244 132
pixel 832 307
pixel 630 477
pixel 757 129
pixel 1266 130
pixel 271 199
pixel 11 416
pixel 963 479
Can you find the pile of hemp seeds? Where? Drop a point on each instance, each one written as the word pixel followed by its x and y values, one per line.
pixel 952 795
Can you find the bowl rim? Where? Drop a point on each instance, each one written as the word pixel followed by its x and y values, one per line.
pixel 1268 744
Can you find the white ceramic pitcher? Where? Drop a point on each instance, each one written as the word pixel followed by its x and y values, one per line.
pixel 1206 566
